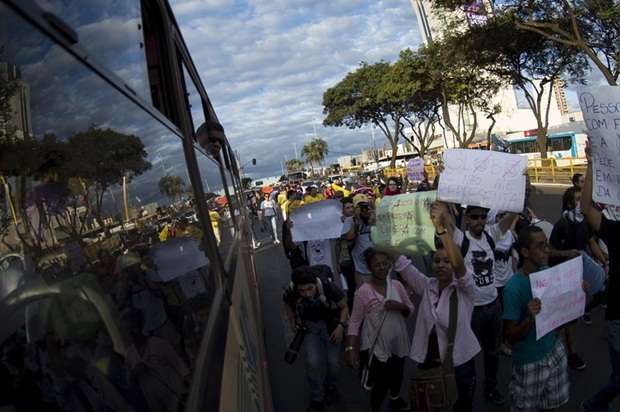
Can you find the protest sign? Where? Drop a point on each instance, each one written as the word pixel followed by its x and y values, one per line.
pixel 601 112
pixel 316 221
pixel 415 170
pixel 483 178
pixel 560 292
pixel 404 222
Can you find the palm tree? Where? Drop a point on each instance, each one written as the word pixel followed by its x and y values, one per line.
pixel 294 165
pixel 315 152
pixel 171 186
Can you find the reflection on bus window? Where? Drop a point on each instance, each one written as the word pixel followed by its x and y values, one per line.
pixel 96 202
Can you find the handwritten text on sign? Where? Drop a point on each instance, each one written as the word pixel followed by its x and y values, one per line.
pixel 559 289
pixel 415 170
pixel 483 178
pixel 601 112
pixel 317 221
pixel 404 222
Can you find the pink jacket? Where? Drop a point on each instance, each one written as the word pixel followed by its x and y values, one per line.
pixel 434 311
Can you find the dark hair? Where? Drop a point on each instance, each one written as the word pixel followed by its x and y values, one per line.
pixel 525 238
pixel 471 208
pixel 303 275
pixel 392 179
pixel 347 200
pixel 371 253
pixel 575 178
pixel 569 197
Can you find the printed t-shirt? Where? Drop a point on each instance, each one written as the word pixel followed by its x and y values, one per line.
pixel 480 258
pixel 610 233
pixel 517 294
pixel 362 242
pixel 321 252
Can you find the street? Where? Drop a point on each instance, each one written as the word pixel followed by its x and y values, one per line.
pixel 289 387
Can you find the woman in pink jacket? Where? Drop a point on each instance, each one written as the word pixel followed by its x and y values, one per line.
pixel 430 339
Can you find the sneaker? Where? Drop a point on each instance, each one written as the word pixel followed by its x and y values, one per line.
pixel 495 397
pixel 575 362
pixel 505 350
pixel 587 319
pixel 399 405
pixel 316 406
pixel 276 242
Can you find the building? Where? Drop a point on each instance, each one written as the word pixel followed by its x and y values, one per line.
pixel 18 119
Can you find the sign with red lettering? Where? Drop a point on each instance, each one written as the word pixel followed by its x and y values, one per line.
pixel 560 292
pixel 601 112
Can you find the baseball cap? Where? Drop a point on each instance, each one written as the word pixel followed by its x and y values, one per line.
pixel 360 199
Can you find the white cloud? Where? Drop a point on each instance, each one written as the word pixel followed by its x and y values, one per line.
pixel 266 64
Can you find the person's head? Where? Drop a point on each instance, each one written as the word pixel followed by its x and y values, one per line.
pixel 533 247
pixel 378 262
pixel 313 190
pixel 339 195
pixel 266 196
pixel 338 181
pixel 348 209
pixel 476 219
pixel 441 266
pixel 578 180
pixel 210 135
pixel 392 184
pixel 571 198
pixel 305 282
pixel 362 203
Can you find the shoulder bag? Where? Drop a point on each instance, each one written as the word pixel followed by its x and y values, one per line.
pixel 435 388
pixel 366 367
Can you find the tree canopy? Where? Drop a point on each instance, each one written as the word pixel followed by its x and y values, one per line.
pixel 294 165
pixel 315 151
pixel 171 186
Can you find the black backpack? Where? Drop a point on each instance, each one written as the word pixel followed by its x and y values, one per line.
pixel 465 243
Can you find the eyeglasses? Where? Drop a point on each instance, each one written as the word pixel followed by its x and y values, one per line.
pixel 477 217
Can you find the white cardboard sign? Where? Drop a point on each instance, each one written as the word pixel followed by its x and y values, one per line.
pixel 601 112
pixel 483 178
pixel 560 292
pixel 316 221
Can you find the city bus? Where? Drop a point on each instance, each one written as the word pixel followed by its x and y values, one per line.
pixel 566 148
pixel 126 284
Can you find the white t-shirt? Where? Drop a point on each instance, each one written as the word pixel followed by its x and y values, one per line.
pixel 362 242
pixel 268 207
pixel 503 259
pixel 347 225
pixel 320 252
pixel 480 259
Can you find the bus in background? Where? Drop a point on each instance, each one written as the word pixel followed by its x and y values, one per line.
pixel 109 146
pixel 566 148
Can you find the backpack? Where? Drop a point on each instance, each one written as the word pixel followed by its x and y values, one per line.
pixel 465 244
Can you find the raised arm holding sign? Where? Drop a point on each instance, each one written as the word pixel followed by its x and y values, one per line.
pixel 317 221
pixel 483 178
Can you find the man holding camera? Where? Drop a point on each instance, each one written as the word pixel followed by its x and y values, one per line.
pixel 317 309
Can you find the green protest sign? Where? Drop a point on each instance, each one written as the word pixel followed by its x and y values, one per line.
pixel 404 222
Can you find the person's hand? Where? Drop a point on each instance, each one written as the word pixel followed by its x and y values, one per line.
pixel 393 305
pixel 573 253
pixel 337 334
pixel 352 359
pixel 439 212
pixel 534 306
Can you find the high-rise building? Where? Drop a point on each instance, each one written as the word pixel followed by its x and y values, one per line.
pixel 18 118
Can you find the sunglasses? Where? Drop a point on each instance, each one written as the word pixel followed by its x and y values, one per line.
pixel 477 217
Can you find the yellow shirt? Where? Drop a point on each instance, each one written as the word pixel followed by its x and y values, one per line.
pixel 281 198
pixel 337 188
pixel 312 199
pixel 215 218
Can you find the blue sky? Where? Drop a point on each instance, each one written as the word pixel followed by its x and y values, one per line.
pixel 265 65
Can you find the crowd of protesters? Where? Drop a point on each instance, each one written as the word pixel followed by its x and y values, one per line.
pixel 473 296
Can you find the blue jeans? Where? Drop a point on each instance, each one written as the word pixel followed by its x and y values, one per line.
pixel 603 399
pixel 273 223
pixel 319 351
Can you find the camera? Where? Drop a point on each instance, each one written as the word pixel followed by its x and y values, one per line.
pixel 292 353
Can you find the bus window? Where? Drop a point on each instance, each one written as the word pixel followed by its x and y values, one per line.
pixel 557 144
pixel 194 101
pixel 112 34
pixel 102 213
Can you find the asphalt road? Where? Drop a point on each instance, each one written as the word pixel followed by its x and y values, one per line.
pixel 289 387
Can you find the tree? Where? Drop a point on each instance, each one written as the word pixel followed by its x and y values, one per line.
pixel 171 186
pixel 314 152
pixel 591 27
pixel 360 99
pixel 294 165
pixel 460 84
pixel 102 157
pixel 246 182
pixel 527 61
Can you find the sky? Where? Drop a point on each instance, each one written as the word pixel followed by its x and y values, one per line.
pixel 266 64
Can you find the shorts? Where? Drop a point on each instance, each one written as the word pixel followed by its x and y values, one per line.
pixel 542 384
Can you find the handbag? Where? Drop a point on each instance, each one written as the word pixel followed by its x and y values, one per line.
pixel 366 368
pixel 435 388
